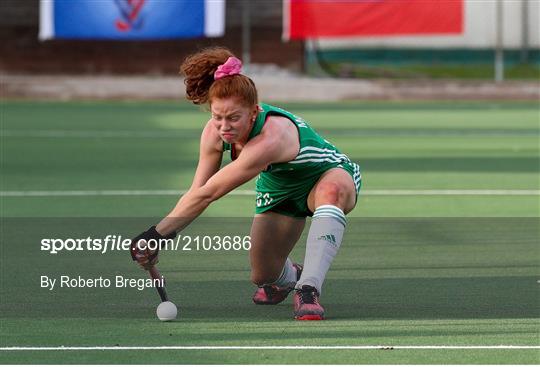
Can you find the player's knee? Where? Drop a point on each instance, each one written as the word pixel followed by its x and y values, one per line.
pixel 330 193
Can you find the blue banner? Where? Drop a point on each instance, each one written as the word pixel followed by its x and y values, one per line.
pixel 131 19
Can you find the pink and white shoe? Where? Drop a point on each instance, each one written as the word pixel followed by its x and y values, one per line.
pixel 272 294
pixel 306 304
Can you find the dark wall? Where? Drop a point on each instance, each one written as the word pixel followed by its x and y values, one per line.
pixel 21 51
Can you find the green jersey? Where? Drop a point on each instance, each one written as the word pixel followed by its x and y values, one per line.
pixel 284 187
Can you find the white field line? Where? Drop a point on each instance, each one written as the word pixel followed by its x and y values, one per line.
pixel 46 193
pixel 273 347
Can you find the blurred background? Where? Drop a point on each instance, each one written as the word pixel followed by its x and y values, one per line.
pixel 408 45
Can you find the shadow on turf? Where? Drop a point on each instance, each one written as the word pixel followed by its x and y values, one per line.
pixel 404 298
pixel 358 299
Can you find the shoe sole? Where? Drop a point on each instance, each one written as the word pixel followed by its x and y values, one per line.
pixel 270 303
pixel 267 303
pixel 309 318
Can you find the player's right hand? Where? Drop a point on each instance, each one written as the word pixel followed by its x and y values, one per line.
pixel 145 253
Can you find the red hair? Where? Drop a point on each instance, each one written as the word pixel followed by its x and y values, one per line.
pixel 198 70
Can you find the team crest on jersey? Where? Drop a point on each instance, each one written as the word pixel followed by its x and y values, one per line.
pixel 130 14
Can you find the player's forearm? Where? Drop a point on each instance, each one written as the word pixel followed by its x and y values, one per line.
pixel 189 207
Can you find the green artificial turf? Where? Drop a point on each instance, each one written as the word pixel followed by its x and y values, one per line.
pixel 454 270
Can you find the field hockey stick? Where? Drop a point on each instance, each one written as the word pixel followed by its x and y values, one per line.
pixel 155 275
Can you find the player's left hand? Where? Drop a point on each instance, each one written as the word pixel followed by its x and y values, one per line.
pixel 145 255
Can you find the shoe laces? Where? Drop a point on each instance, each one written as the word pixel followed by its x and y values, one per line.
pixel 308 294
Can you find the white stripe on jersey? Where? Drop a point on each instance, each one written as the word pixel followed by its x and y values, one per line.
pixel 324 150
pixel 343 157
pixel 327 159
pixel 313 152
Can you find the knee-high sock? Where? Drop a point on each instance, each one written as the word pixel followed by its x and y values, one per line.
pixel 324 239
pixel 288 276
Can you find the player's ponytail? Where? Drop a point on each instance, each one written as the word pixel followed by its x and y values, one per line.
pixel 215 73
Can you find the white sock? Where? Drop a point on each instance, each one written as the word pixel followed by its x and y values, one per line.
pixel 324 239
pixel 288 276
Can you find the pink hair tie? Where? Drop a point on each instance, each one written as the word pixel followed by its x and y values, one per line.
pixel 232 66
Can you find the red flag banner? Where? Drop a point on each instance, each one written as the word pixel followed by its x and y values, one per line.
pixel 319 18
